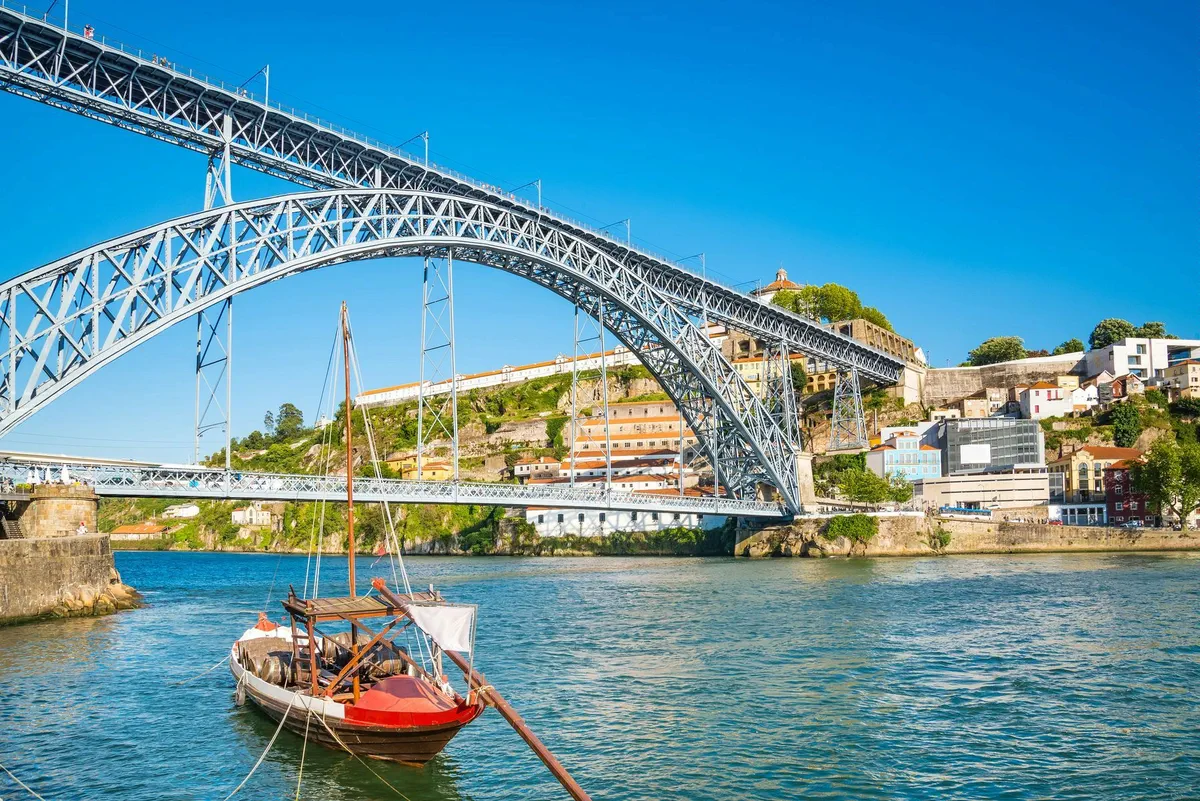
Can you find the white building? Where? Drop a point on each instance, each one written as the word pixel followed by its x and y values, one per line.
pixel 592 523
pixel 252 515
pixel 985 491
pixel 181 511
pixel 1084 398
pixel 1044 399
pixel 1145 358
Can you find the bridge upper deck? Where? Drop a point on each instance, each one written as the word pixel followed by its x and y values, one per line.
pixel 124 86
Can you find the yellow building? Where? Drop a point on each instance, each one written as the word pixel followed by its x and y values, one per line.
pixel 1068 383
pixel 1184 378
pixel 431 469
pixel 1083 470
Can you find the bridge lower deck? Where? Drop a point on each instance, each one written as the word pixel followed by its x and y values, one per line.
pixel 170 482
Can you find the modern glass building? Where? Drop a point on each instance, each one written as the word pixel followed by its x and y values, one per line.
pixel 991 445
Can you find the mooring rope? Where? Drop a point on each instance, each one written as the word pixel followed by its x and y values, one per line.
pixel 23 785
pixel 205 673
pixel 303 752
pixel 266 751
pixel 333 734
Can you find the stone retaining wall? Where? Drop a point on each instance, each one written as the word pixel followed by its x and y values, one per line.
pixel 60 577
pixel 915 536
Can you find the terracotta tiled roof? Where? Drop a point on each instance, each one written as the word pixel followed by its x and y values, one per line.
pixel 883 448
pixel 1109 452
pixel 139 528
pixel 929 448
pixel 1043 385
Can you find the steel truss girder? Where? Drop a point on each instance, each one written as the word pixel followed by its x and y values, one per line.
pixel 848 425
pixel 66 319
pixel 168 482
pixel 41 62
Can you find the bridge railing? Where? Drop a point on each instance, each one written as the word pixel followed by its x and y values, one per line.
pixel 201 482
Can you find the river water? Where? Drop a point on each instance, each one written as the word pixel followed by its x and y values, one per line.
pixel 1006 677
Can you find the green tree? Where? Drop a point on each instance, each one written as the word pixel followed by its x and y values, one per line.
pixel 289 421
pixel 863 486
pixel 1170 477
pixel 875 402
pixel 874 315
pixel 997 349
pixel 829 302
pixel 269 423
pixel 900 489
pixel 1153 331
pixel 1127 425
pixel 799 377
pixel 1110 330
pixel 1072 345
pixel 836 303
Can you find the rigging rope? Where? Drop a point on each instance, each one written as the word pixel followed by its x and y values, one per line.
pixel 266 751
pixel 205 673
pixel 23 785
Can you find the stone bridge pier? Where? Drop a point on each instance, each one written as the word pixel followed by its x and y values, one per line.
pixel 56 510
pixel 47 569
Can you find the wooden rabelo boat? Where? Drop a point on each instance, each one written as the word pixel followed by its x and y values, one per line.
pixel 357 689
pixel 371 696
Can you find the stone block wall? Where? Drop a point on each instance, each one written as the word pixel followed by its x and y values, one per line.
pixel 56 510
pixel 948 384
pixel 913 536
pixel 57 576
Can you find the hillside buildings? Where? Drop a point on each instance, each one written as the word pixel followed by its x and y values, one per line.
pixel 1083 477
pixel 1144 358
pixel 903 455
pixel 991 445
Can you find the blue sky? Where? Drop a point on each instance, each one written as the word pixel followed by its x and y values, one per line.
pixel 973 170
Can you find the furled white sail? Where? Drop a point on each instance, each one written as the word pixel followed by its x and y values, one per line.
pixel 451 627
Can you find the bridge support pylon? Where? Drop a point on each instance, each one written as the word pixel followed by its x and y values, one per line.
pixel 849 428
pixel 214 347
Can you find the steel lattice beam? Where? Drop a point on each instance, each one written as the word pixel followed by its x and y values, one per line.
pixel 168 482
pixel 123 87
pixel 65 320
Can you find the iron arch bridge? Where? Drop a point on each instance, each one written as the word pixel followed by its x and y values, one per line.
pixel 64 321
pixel 122 86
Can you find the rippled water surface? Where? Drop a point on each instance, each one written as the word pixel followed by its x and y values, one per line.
pixel 1073 676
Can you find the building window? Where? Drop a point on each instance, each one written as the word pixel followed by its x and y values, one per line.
pixel 654 516
pixel 541 518
pixel 633 516
pixel 1120 506
pixel 1120 490
pixel 602 517
pixel 1133 505
pixel 676 516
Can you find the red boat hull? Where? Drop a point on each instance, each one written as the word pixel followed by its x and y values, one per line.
pixel 410 745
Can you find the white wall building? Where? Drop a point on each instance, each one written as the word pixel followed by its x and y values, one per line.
pixel 181 511
pixel 252 515
pixel 1044 399
pixel 592 523
pixel 1145 358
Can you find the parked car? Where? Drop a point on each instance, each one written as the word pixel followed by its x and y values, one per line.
pixel 1132 524
pixel 1056 522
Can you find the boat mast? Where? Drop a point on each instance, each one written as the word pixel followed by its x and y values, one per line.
pixel 349 448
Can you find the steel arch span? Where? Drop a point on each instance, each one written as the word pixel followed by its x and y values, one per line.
pixel 61 322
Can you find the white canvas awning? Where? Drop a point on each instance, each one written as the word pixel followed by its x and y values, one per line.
pixel 451 627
